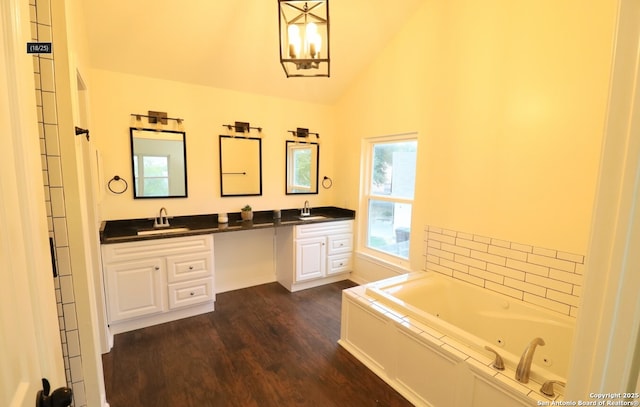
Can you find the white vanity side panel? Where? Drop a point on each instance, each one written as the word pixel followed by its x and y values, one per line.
pixel 285 253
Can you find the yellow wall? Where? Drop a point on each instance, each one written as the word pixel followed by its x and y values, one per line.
pixel 508 98
pixel 114 96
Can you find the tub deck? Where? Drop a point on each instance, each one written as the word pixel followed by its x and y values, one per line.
pixel 479 317
pixel 425 335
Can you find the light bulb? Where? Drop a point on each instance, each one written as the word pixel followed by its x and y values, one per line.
pixel 294 40
pixel 312 30
pixel 317 41
pixel 313 39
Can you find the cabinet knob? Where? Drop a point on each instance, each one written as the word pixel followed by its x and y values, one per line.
pixel 190 267
pixel 156 268
pixel 192 293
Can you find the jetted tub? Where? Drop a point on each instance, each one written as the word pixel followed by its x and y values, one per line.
pixel 446 323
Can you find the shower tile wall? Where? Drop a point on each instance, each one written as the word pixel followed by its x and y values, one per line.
pixel 54 195
pixel 545 277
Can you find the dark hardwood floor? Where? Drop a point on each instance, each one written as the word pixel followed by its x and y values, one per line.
pixel 262 346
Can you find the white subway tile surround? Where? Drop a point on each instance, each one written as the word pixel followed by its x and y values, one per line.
pixel 549 278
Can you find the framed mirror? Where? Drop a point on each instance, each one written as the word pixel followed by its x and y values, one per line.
pixel 302 167
pixel 159 162
pixel 240 166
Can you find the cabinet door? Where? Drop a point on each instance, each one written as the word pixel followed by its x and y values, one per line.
pixel 311 258
pixel 134 288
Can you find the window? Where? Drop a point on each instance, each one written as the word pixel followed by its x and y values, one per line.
pixel 389 186
pixel 152 177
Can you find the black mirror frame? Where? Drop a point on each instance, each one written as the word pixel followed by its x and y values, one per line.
pixel 133 173
pixel 259 140
pixel 286 168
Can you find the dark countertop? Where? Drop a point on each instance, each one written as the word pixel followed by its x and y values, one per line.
pixel 118 231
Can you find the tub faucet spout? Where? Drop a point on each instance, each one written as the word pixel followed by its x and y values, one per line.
pixel 524 366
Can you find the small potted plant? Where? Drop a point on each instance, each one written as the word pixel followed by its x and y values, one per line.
pixel 246 213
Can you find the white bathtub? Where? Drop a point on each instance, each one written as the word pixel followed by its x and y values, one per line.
pixel 390 324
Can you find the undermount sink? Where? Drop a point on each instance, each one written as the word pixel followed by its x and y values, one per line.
pixel 161 231
pixel 317 217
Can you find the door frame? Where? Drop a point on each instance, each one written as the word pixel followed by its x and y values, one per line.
pixel 28 321
pixel 608 323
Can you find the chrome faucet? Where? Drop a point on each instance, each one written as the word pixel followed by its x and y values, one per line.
pixel 306 211
pixel 524 366
pixel 498 362
pixel 161 221
pixel 547 387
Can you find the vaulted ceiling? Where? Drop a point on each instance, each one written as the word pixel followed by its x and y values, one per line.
pixel 233 44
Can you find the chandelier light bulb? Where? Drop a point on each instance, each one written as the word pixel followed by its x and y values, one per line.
pixel 311 39
pixel 294 40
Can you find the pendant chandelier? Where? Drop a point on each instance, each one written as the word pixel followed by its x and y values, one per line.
pixel 304 37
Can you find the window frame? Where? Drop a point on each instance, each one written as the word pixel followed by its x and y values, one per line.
pixel 366 195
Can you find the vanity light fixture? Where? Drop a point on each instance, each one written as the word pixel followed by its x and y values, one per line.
pixel 304 37
pixel 241 127
pixel 301 132
pixel 157 118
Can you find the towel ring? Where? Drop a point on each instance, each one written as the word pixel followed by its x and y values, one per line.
pixel 118 178
pixel 327 182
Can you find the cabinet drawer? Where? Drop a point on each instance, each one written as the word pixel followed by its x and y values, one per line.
pixel 117 252
pixel 342 243
pixel 324 228
pixel 339 264
pixel 190 292
pixel 188 267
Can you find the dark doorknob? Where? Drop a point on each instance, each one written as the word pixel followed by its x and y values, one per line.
pixel 60 397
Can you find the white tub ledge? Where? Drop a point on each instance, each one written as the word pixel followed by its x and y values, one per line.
pixel 426 366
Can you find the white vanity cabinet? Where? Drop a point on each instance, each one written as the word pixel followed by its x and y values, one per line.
pixel 134 288
pixel 313 254
pixel 154 281
pixel 311 258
